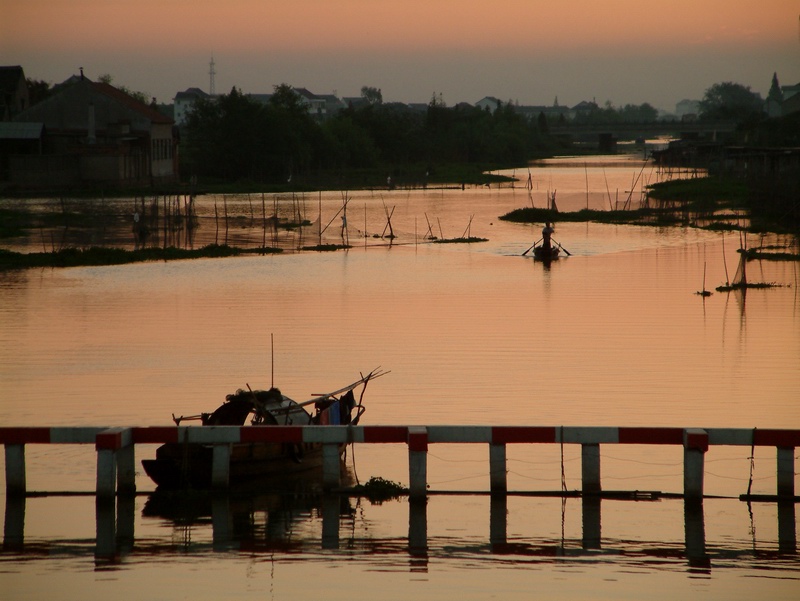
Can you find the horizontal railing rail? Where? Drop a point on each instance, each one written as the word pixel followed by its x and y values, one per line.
pixel 116 460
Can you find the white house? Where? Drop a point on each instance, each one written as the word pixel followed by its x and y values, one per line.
pixel 184 103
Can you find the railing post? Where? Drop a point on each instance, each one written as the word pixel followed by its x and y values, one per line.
pixel 418 526
pixel 221 520
pixel 106 473
pixel 126 470
pixel 695 534
pixel 331 470
pixel 15 469
pixel 498 521
pixel 498 474
pixel 590 515
pixel 331 510
pixel 105 521
pixel 115 450
pixel 221 466
pixel 590 468
pixel 14 524
pixel 786 472
pixel 418 461
pixel 695 445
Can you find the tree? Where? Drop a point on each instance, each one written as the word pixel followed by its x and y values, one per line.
pixel 775 93
pixel 728 100
pixel 372 95
pixel 106 78
pixel 38 90
pixel 286 99
pixel 541 123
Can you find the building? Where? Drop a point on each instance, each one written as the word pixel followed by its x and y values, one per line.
pixel 96 135
pixel 791 99
pixel 315 105
pixel 687 108
pixel 319 106
pixel 13 92
pixel 185 101
pixel 489 103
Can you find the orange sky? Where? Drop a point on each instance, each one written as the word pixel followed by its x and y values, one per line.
pixel 527 50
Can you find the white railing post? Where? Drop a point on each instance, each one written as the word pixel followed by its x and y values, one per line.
pixel 15 469
pixel 221 466
pixel 418 461
pixel 126 470
pixel 695 445
pixel 106 473
pixel 590 468
pixel 786 472
pixel 498 473
pixel 331 468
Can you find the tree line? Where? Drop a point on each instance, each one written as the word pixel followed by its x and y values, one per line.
pixel 236 137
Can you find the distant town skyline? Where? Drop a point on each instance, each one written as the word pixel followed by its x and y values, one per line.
pixel 526 51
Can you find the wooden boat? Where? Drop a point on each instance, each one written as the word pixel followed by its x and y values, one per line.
pixel 542 254
pixel 179 465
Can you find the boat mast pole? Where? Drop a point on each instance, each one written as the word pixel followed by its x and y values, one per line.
pixel 272 359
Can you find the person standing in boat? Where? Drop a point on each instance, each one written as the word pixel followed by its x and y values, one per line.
pixel 547 232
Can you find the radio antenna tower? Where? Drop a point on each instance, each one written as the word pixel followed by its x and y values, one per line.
pixel 211 73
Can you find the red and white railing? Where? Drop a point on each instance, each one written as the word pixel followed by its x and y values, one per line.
pixel 116 457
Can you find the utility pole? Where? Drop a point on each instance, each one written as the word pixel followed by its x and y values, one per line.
pixel 211 73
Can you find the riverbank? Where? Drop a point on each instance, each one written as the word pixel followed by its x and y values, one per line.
pixel 95 256
pixel 714 203
pixel 380 178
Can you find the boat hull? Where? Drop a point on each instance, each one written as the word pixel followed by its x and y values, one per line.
pixel 543 254
pixel 189 465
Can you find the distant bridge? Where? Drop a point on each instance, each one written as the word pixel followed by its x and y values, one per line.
pixel 643 130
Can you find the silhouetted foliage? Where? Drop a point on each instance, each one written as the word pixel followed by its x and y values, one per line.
pixel 608 114
pixel 235 137
pixel 728 100
pixel 140 96
pixel 372 95
pixel 38 90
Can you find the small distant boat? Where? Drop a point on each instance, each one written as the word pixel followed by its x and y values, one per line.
pixel 179 465
pixel 543 254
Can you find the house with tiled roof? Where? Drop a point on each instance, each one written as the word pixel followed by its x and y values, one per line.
pixel 97 135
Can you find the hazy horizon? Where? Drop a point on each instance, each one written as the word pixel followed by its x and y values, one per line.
pixel 531 52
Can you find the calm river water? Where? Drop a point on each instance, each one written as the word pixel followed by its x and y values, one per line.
pixel 613 335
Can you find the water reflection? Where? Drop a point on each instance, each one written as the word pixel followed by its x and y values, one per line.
pixel 307 523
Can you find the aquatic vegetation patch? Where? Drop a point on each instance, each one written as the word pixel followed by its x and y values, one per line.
pixel 701 193
pixel 752 254
pixel 468 240
pixel 746 286
pixel 96 256
pixel 326 247
pixel 643 216
pixel 378 490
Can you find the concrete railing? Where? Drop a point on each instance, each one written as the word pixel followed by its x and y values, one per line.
pixel 116 468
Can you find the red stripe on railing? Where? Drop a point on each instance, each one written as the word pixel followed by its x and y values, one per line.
pixel 509 434
pixel 386 434
pixel 697 440
pixel 24 435
pixel 651 436
pixel 417 441
pixel 108 441
pixel 155 434
pixel 271 434
pixel 777 438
